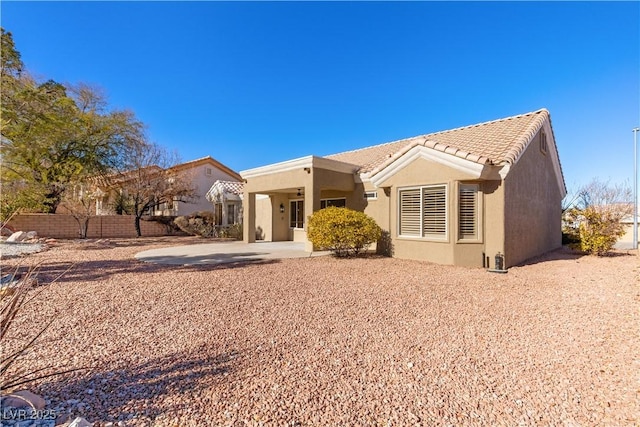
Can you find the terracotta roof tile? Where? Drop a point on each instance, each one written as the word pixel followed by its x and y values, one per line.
pixel 495 142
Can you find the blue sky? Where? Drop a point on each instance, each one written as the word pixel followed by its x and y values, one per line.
pixel 252 83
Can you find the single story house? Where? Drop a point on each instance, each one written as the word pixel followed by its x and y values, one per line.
pixel 455 197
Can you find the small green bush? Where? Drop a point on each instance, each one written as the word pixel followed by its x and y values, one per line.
pixel 343 231
pixel 201 223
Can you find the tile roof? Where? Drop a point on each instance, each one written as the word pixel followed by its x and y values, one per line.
pixel 232 187
pixel 207 160
pixel 495 142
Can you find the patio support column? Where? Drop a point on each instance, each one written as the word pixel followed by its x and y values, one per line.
pixel 249 218
pixel 311 204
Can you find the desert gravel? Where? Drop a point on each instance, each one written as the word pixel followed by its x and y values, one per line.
pixel 322 341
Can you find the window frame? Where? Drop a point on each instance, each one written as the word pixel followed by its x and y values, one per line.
pixel 332 198
pixel 294 210
pixel 421 235
pixel 477 217
pixel 543 142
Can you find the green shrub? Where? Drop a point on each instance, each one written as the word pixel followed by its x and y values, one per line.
pixel 599 231
pixel 343 231
pixel 198 224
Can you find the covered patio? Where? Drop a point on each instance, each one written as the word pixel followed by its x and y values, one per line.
pixel 279 198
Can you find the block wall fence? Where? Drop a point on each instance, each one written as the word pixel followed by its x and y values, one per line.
pixel 62 226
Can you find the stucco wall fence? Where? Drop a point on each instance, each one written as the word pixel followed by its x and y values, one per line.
pixel 62 226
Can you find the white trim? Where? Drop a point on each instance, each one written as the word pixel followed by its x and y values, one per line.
pixel 300 163
pixel 478 214
pixel 288 165
pixel 290 211
pixel 374 195
pixel 473 169
pixel 504 171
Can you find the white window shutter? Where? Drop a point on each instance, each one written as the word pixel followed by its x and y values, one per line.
pixel 410 212
pixel 434 201
pixel 468 215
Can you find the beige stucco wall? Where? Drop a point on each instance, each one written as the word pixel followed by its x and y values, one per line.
pixel 314 184
pixel 627 237
pixel 264 215
pixel 449 251
pixel 202 182
pixel 532 206
pixel 493 211
pixel 377 209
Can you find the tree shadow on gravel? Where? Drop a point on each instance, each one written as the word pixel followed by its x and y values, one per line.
pixel 146 390
pixel 99 270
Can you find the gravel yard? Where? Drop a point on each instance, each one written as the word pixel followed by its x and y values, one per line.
pixel 322 341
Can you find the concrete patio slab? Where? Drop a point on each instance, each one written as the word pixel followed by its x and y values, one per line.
pixel 226 252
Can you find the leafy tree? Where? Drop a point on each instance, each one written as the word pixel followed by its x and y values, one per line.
pixel 343 231
pixel 54 135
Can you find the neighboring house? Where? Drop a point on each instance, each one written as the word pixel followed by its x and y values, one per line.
pixel 201 173
pixel 226 197
pixel 626 241
pixel 454 197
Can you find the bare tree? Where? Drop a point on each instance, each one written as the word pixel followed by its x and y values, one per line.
pixel 613 200
pixel 150 180
pixel 80 203
pixel 596 214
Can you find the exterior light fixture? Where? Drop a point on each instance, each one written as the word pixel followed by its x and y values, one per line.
pixel 281 208
pixel 299 193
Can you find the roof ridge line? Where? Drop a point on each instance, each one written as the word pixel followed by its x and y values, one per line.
pixel 425 135
pixel 489 122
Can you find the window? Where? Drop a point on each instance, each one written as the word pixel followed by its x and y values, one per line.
pixel 231 214
pixel 371 195
pixel 297 214
pixel 423 212
pixel 543 142
pixel 207 171
pixel 338 203
pixel 468 212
